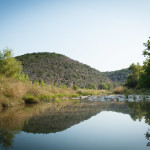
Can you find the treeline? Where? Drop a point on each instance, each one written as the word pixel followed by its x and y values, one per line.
pixel 140 75
pixel 119 76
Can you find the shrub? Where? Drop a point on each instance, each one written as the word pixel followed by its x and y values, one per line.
pixel 91 86
pixel 75 87
pixel 118 90
pixel 33 91
pixel 5 103
pixel 63 86
pixel 8 92
pixel 128 91
pixel 75 95
pixel 22 77
pixel 44 98
pixel 103 86
pixel 84 93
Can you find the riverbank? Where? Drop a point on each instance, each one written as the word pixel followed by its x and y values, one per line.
pixel 130 91
pixel 14 92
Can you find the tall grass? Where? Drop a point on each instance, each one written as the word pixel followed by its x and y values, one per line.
pixel 14 92
pixel 86 92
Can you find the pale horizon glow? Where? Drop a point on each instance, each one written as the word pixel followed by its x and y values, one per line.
pixel 104 34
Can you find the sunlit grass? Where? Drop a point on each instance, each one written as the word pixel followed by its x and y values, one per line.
pixel 14 92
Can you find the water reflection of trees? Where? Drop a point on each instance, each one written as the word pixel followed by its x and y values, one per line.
pixel 9 126
pixel 6 137
pixel 141 110
pixel 55 121
pixel 49 118
pixel 147 135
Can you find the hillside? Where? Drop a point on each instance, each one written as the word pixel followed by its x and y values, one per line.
pixel 56 68
pixel 118 76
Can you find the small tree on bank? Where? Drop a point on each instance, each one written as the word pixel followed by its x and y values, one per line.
pixel 10 67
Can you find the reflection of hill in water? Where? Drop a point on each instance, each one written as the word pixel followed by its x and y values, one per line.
pixel 58 117
pixel 51 121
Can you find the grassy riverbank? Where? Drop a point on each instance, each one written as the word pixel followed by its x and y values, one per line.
pixel 127 91
pixel 15 92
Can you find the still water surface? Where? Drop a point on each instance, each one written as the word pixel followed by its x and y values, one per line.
pixel 76 126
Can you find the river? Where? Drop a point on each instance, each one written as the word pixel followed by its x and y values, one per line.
pixel 76 125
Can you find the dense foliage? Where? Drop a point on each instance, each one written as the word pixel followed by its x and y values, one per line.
pixel 133 79
pixel 9 66
pixel 144 80
pixel 140 76
pixel 119 75
pixel 58 69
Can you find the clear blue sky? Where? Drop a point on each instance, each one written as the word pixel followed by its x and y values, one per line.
pixel 105 34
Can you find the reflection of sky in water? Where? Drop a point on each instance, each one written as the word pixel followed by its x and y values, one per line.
pixel 106 130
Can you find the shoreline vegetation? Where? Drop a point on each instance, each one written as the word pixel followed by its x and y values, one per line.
pixel 17 89
pixel 16 92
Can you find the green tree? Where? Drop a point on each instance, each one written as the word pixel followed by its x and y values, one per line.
pixel 9 66
pixel 146 52
pixel 133 79
pixel 144 81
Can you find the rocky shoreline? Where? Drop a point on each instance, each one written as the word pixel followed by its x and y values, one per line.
pixel 118 98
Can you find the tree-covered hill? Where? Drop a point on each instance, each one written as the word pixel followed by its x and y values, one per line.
pixel 119 75
pixel 56 68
